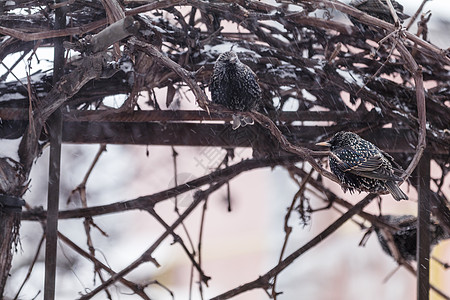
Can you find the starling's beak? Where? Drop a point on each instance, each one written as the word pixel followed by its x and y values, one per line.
pixel 326 144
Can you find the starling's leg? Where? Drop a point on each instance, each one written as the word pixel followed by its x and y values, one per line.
pixel 236 122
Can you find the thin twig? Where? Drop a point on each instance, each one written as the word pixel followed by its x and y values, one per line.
pixel 187 76
pixel 380 68
pixel 441 263
pixel 304 153
pixel 287 228
pixel 416 14
pixel 147 255
pixel 82 185
pixel 88 221
pixel 145 202
pixel 137 289
pixel 421 108
pixel 264 281
pixel 179 240
pixel 200 240
pixel 31 266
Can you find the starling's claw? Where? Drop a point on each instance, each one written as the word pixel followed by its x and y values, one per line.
pixel 237 122
pixel 247 120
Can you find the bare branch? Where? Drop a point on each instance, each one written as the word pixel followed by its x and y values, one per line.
pixel 421 107
pixel 146 256
pixel 264 281
pixel 187 76
pixel 145 202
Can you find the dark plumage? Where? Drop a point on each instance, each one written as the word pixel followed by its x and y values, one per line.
pixel 361 166
pixel 405 238
pixel 235 86
pixel 378 9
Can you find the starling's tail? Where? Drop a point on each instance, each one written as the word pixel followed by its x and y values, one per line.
pixel 396 192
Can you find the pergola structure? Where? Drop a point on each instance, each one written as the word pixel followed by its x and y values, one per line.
pixel 387 84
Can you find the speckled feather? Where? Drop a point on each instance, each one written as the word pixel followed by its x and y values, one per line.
pixel 233 84
pixel 362 166
pixel 405 237
pixel 379 9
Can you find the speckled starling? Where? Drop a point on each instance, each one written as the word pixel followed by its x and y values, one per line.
pixel 378 9
pixel 362 166
pixel 406 235
pixel 235 86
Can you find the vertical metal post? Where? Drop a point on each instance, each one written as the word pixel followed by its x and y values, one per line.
pixel 55 126
pixel 55 130
pixel 423 229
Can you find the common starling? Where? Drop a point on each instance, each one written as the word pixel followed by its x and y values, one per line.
pixel 235 86
pixel 378 9
pixel 406 235
pixel 362 166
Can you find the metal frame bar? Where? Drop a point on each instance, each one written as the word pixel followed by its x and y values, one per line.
pixel 423 229
pixel 55 129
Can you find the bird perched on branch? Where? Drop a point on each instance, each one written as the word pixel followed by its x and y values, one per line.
pixel 378 9
pixel 235 86
pixel 362 166
pixel 406 235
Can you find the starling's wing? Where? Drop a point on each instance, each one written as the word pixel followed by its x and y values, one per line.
pixel 379 9
pixel 252 80
pixel 400 221
pixel 407 221
pixel 396 168
pixel 356 3
pixel 376 6
pixel 214 88
pixel 250 72
pixel 371 166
